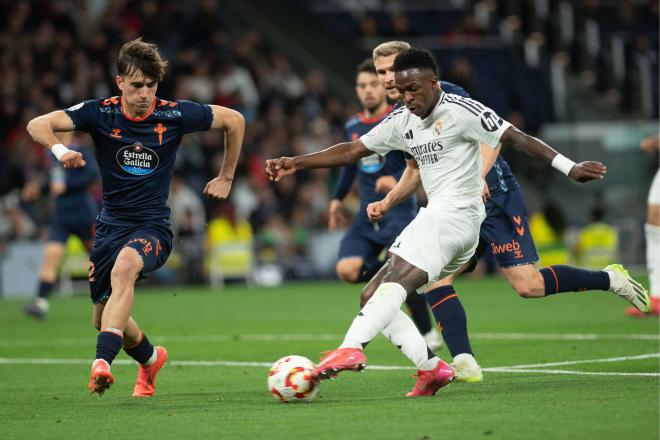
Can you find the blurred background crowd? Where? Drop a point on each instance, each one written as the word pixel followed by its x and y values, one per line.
pixel 539 64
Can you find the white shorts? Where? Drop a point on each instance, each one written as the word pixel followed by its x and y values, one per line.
pixel 654 192
pixel 440 240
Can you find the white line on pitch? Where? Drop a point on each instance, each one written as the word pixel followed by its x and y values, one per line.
pixel 573 372
pixel 330 337
pixel 588 361
pixel 511 369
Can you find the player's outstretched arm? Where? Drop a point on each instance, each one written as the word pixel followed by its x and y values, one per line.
pixel 580 172
pixel 405 187
pixel 42 129
pixel 233 123
pixel 341 154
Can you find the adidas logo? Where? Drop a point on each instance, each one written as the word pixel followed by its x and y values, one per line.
pixel 408 135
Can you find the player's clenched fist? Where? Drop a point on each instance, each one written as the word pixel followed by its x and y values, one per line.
pixel 278 168
pixel 377 210
pixel 585 171
pixel 73 159
pixel 218 188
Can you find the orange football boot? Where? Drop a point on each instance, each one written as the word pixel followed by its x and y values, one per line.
pixel 145 386
pixel 101 378
pixel 338 360
pixel 430 381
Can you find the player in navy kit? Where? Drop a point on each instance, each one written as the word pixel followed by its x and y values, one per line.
pixel 136 137
pixel 73 213
pixel 363 243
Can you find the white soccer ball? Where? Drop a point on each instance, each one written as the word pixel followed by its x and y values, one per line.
pixel 290 380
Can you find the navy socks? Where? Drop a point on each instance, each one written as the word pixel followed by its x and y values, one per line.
pixel 450 315
pixel 572 279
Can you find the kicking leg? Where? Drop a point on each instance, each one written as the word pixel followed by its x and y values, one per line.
pixel 530 282
pixel 382 313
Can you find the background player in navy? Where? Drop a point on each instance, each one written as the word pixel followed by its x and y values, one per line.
pixel 73 213
pixel 364 241
pixel 136 137
pixel 506 233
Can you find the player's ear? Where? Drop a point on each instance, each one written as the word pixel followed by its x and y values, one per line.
pixel 120 82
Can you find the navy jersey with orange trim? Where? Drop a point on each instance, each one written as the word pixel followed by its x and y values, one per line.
pixel 370 168
pixel 136 155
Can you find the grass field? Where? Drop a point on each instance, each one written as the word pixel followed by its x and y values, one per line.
pixel 567 367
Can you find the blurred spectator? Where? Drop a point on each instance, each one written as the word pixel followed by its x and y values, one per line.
pixel 597 242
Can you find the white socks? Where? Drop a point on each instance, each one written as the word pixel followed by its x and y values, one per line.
pixel 653 257
pixel 377 314
pixel 403 333
pixel 152 359
pixel 383 314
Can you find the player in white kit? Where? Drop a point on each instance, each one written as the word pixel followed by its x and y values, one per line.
pixel 444 142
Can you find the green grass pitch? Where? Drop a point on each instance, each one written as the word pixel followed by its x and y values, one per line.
pixel 582 370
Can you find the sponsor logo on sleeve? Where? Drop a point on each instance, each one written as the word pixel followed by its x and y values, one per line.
pixel 490 121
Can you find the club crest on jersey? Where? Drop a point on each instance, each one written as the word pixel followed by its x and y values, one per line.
pixel 437 127
pixel 137 159
pixel 372 164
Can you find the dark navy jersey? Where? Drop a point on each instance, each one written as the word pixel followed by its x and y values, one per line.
pixel 136 155
pixel 499 178
pixel 370 168
pixel 76 204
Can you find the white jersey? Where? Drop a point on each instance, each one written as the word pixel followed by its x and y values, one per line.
pixel 445 145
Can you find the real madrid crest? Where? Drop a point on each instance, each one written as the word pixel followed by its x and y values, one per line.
pixel 437 127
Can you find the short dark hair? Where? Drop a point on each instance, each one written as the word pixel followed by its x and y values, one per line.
pixel 367 66
pixel 415 58
pixel 138 55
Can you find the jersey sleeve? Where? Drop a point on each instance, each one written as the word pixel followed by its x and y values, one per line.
pixel 345 181
pixel 195 117
pixel 484 126
pixel 385 136
pixel 84 115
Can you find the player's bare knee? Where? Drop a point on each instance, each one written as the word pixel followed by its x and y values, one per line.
pixel 523 289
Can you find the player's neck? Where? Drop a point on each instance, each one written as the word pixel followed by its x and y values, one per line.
pixel 133 112
pixel 432 106
pixel 375 112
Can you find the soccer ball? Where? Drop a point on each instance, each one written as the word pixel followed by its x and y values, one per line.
pixel 290 380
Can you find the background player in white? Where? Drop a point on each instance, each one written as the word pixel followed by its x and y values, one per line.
pixel 443 237
pixel 652 230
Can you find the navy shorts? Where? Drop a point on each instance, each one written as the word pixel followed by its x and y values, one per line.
pixel 59 231
pixel 367 241
pixel 505 231
pixel 152 242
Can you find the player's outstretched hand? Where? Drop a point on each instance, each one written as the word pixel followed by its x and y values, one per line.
pixel 218 188
pixel 73 159
pixel 278 168
pixel 377 210
pixel 585 171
